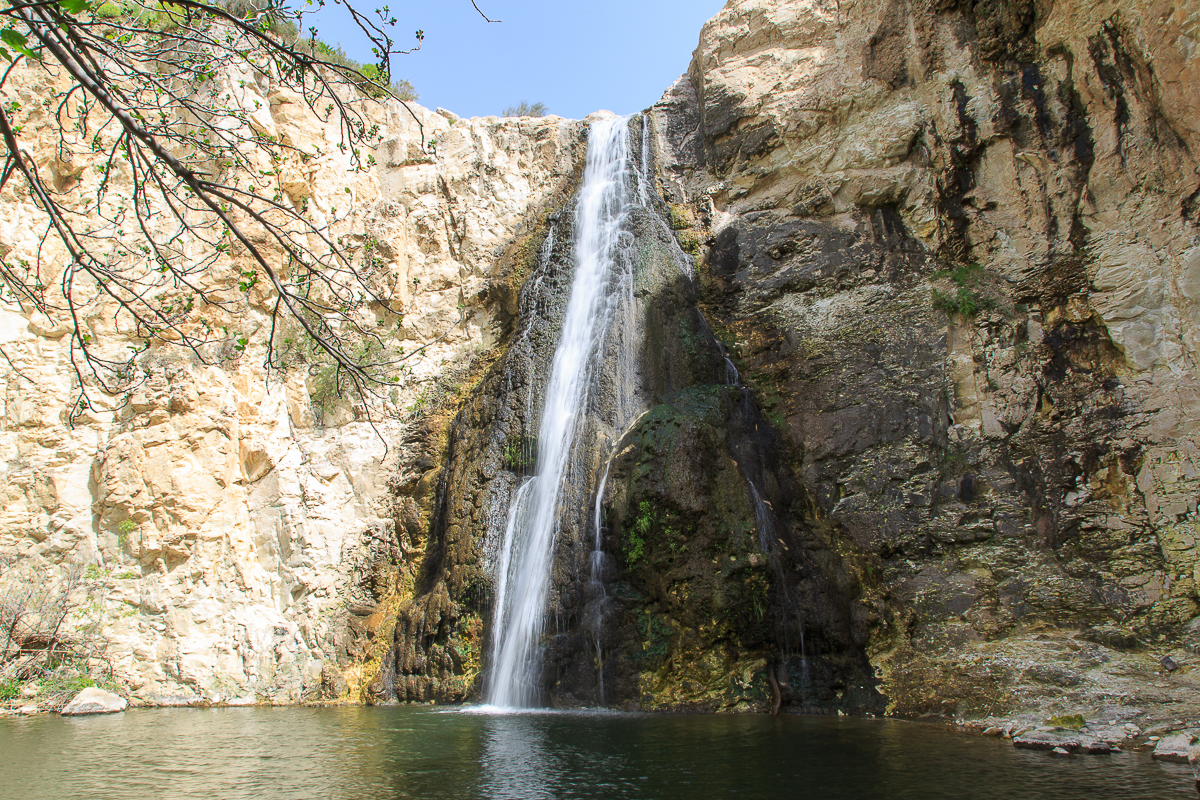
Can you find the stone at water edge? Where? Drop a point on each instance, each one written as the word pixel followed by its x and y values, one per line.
pixel 1174 748
pixel 94 701
pixel 1045 740
pixel 1095 747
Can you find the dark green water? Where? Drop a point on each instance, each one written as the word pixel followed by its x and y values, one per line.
pixel 377 753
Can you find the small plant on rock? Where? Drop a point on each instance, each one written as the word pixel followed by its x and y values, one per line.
pixel 966 298
pixel 519 454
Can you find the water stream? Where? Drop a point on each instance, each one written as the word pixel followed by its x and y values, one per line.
pixel 600 291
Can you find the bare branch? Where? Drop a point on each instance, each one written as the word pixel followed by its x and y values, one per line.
pixel 485 16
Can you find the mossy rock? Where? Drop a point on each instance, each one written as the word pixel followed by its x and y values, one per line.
pixel 1072 722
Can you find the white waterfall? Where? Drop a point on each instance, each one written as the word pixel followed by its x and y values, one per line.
pixel 523 577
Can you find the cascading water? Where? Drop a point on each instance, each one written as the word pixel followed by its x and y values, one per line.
pixel 600 290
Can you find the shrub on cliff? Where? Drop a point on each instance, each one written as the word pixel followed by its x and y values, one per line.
pixel 526 109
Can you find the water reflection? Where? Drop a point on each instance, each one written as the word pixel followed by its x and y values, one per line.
pixel 386 753
pixel 516 761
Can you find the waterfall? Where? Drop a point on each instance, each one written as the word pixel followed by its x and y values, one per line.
pixel 600 290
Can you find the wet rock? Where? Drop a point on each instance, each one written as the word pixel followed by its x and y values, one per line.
pixel 1168 663
pixel 94 701
pixel 1060 751
pixel 1175 748
pixel 1046 740
pixel 1058 676
pixel 1094 747
pixel 173 700
pixel 333 682
pixel 1110 636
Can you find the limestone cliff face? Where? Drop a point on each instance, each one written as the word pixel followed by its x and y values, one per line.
pixel 954 248
pixel 231 523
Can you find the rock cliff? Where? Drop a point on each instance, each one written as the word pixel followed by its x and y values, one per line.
pixel 951 250
pixel 951 246
pixel 227 523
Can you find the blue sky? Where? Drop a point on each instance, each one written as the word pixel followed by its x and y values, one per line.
pixel 576 57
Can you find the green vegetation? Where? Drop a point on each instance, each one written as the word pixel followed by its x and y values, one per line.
pixel 520 454
pixel 635 537
pixel 10 688
pixel 70 683
pixel 420 404
pixel 526 109
pixel 655 633
pixel 689 244
pixel 329 383
pixel 678 218
pixel 49 632
pixel 124 528
pixel 651 520
pixel 770 400
pixel 1070 721
pixel 334 54
pixel 965 298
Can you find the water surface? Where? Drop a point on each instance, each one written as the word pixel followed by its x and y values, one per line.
pixel 420 752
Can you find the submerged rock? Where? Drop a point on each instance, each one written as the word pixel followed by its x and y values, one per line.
pixel 94 701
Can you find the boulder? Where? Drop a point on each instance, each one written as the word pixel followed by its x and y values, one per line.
pixel 94 701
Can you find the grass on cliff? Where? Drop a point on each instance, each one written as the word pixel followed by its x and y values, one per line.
pixel 965 297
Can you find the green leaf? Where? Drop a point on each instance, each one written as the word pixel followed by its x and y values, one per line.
pixel 73 6
pixel 17 41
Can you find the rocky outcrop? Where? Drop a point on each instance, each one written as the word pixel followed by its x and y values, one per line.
pixel 949 246
pixel 234 527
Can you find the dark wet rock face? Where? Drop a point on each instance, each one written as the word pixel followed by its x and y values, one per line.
pixel 929 276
